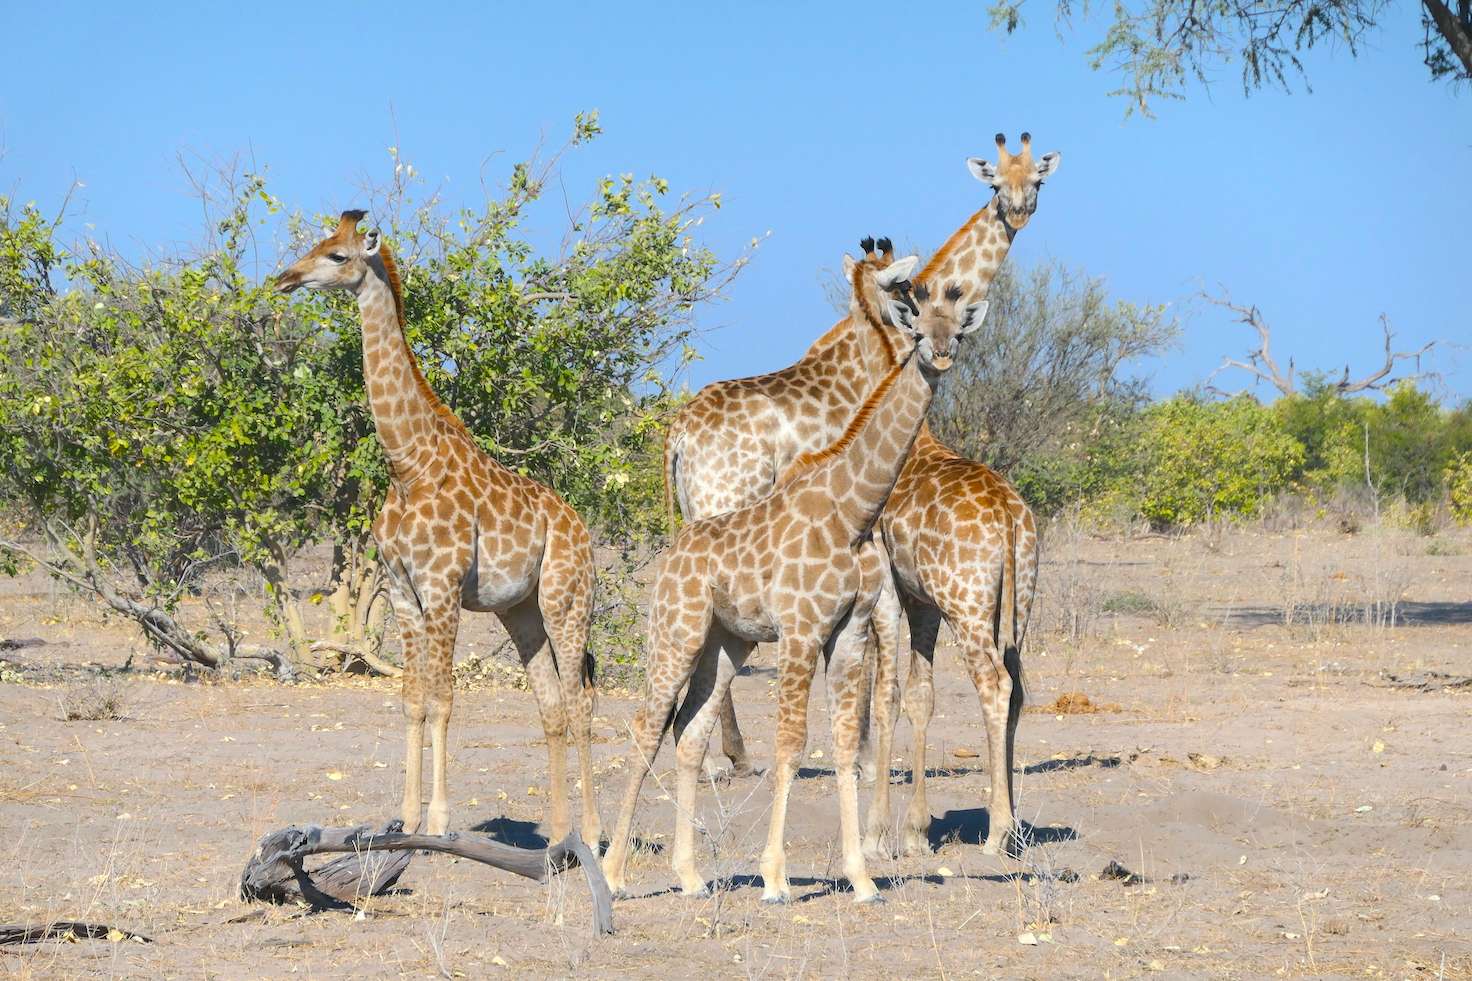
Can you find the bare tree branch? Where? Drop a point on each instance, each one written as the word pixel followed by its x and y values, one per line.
pixel 1261 364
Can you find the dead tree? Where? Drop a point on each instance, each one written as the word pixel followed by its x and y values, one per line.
pixel 1261 364
pixel 275 872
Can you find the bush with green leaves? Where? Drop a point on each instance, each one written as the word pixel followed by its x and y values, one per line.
pixel 174 416
pixel 1202 460
pixel 1040 392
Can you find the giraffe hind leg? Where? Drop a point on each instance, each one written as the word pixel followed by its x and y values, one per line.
pixel 719 660
pixel 528 632
pixel 568 633
pixel 668 665
pixel 919 703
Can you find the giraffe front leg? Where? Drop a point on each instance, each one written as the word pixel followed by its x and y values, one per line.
pixel 441 625
pixel 411 633
pixel 846 690
pixel 796 662
pixel 883 714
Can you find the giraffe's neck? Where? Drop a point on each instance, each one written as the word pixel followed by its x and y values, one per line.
pixel 408 416
pixel 971 257
pixel 860 470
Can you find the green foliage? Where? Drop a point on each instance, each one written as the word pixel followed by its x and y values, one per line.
pixel 1204 460
pixel 165 418
pixel 1407 441
pixel 1039 392
pixel 1161 46
pixel 1459 487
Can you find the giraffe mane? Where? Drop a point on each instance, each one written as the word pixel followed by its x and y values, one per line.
pixel 952 243
pixel 876 323
pixel 395 285
pixel 808 461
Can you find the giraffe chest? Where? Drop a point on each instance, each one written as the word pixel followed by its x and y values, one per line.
pixel 742 601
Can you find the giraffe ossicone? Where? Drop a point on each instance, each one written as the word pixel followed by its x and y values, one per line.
pixel 459 530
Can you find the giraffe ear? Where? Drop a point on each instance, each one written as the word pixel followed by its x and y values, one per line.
pixel 371 242
pixel 848 265
pixel 972 316
pixel 902 317
pixel 897 272
pixel 981 170
pixel 1048 166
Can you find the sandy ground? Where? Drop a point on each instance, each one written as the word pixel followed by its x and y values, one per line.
pixel 1290 814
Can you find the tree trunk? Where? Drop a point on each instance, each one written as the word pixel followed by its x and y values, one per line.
pixel 359 603
pixel 275 569
pixel 1455 29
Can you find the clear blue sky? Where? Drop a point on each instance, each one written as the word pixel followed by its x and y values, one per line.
pixel 820 124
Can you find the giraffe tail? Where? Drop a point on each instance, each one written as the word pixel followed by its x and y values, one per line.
pixel 1009 639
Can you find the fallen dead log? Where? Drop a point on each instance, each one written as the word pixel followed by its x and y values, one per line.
pixel 1430 681
pixel 275 872
pixel 66 930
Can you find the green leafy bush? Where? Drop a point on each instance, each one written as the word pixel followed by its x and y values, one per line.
pixel 1204 460
pixel 177 416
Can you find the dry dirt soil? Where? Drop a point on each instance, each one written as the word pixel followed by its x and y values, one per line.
pixel 1288 809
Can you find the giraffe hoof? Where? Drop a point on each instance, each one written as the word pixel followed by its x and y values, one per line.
pixel 620 893
pixel 877 899
pixel 914 847
pixel 741 768
pixel 702 893
pixel 780 899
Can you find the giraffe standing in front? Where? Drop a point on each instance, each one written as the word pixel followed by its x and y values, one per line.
pixel 728 445
pixel 967 544
pixel 800 569
pixel 459 530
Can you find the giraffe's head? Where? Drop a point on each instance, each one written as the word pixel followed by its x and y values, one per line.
pixel 874 278
pixel 339 262
pixel 936 324
pixel 1016 179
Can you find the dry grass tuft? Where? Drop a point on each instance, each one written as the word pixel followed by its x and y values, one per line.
pixel 100 698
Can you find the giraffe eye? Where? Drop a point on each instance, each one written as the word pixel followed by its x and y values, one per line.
pixel 338 258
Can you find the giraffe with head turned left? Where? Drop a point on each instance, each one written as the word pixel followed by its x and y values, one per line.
pixel 799 568
pixel 460 531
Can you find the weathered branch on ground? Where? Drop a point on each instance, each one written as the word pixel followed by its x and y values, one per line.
pixel 350 652
pixel 1260 362
pixel 66 930
pixel 274 872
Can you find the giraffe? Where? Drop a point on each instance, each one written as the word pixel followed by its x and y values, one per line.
pixel 705 468
pixel 739 436
pixel 798 568
pixel 963 546
pixel 459 530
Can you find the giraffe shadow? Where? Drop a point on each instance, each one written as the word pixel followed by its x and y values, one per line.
pixel 756 671
pixel 518 834
pixel 969 826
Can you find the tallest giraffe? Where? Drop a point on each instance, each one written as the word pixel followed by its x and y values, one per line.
pixel 793 411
